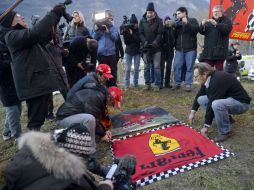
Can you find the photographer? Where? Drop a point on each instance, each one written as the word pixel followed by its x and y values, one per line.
pixel 216 31
pixel 107 35
pixel 8 96
pixel 150 33
pixel 234 54
pixel 82 58
pixel 56 161
pixel 132 51
pixel 77 27
pixel 34 71
pixel 186 30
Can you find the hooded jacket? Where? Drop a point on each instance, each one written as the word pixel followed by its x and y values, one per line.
pixel 34 71
pixel 40 164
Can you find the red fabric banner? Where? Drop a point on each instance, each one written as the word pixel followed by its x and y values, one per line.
pixel 165 149
pixel 240 12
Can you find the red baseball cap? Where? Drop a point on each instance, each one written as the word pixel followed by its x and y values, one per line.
pixel 105 70
pixel 117 95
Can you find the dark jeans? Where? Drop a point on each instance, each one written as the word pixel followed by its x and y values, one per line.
pixel 166 56
pixel 111 61
pixel 37 109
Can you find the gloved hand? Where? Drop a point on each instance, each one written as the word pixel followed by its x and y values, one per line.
pixel 59 10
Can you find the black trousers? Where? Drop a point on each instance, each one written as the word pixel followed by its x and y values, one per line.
pixel 37 109
pixel 166 56
pixel 111 61
pixel 51 103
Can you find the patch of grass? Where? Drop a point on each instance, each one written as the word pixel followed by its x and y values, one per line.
pixel 231 174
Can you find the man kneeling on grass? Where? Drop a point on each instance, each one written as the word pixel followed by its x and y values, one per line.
pixel 221 95
pixel 92 100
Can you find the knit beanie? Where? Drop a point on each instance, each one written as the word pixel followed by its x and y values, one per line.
pixel 133 19
pixel 150 7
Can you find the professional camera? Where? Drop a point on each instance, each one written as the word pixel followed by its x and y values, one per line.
pixel 176 19
pixel 34 19
pixel 121 171
pixel 102 18
pixel 126 26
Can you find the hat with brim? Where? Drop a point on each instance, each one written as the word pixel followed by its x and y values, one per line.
pixel 105 70
pixel 117 94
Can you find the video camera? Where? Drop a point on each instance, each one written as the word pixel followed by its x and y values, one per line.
pixel 34 19
pixel 126 25
pixel 102 18
pixel 121 171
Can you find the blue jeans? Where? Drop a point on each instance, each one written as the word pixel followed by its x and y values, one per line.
pixel 154 58
pixel 128 63
pixel 189 59
pixel 222 108
pixel 12 125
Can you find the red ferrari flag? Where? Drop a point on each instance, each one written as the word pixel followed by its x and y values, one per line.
pixel 166 151
pixel 241 13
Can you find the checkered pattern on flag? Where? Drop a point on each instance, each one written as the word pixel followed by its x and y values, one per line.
pixel 166 151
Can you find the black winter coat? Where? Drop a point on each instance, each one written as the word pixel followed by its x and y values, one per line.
pixel 150 32
pixel 34 71
pixel 168 39
pixel 132 42
pixel 92 99
pixel 8 93
pixel 186 35
pixel 216 39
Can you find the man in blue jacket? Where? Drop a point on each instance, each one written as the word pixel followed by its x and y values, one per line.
pixel 107 35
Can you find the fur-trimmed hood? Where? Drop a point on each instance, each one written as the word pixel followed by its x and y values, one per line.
pixel 54 159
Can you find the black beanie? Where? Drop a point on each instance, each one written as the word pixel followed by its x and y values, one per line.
pixel 133 19
pixel 7 20
pixel 150 7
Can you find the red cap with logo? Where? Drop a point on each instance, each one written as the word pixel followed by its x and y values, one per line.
pixel 105 70
pixel 117 95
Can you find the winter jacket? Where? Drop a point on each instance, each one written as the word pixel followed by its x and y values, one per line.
pixel 79 53
pixel 132 42
pixel 150 32
pixel 91 78
pixel 40 164
pixel 106 41
pixel 34 71
pixel 231 65
pixel 186 35
pixel 75 30
pixel 92 99
pixel 216 39
pixel 168 39
pixel 8 94
pixel 221 86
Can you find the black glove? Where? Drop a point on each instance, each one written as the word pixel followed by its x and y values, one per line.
pixel 59 10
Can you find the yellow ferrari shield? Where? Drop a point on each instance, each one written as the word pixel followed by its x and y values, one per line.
pixel 162 145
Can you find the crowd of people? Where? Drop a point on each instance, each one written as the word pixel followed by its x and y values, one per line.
pixel 31 69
